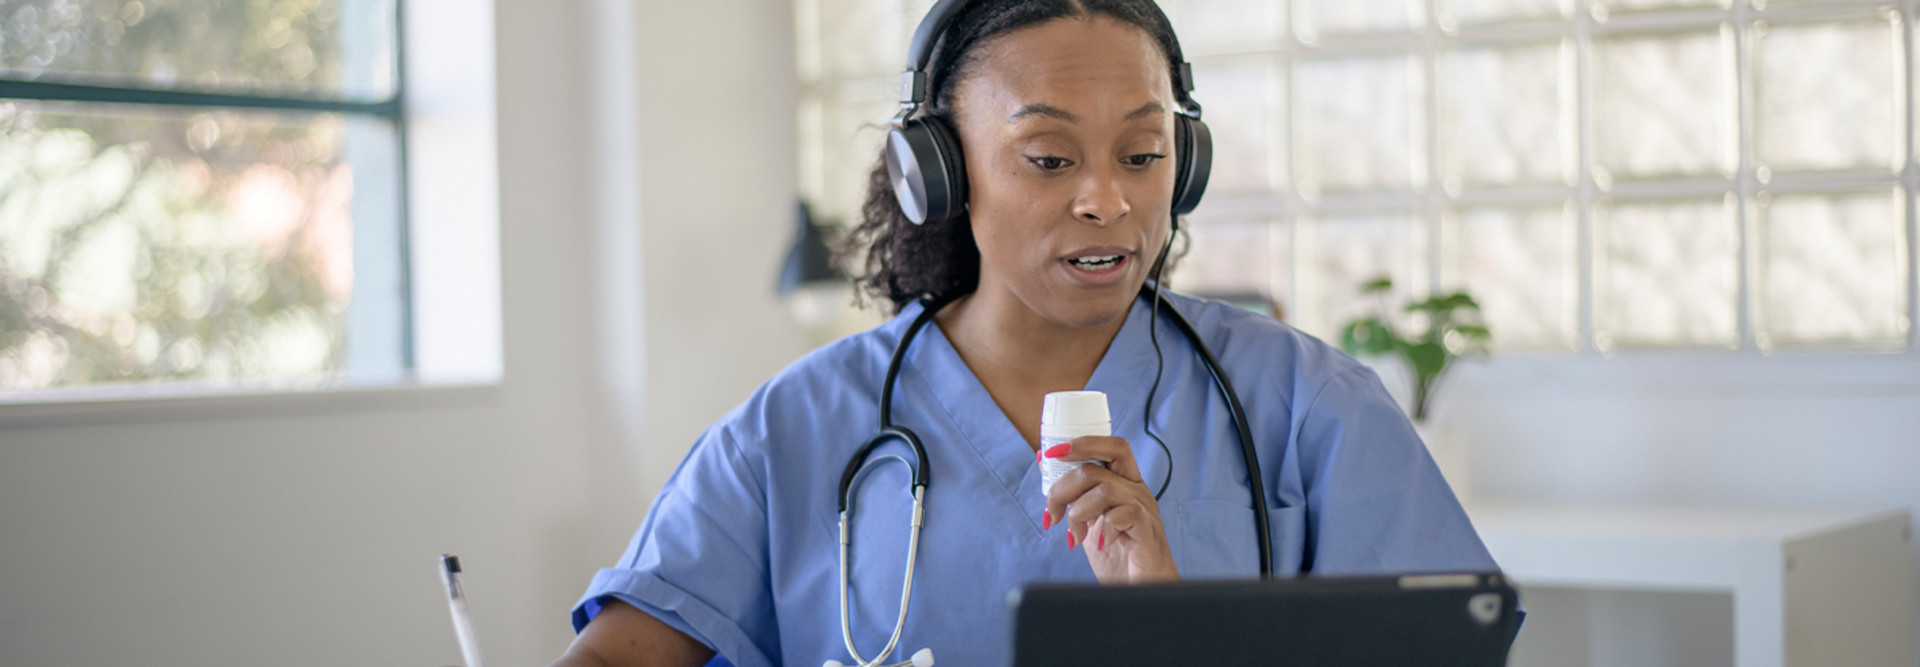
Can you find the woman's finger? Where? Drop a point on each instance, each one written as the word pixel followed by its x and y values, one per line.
pixel 1116 519
pixel 1090 506
pixel 1124 520
pixel 1072 487
pixel 1102 532
pixel 1113 451
pixel 1111 506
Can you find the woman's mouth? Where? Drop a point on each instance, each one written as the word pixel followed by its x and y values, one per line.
pixel 1096 263
pixel 1099 270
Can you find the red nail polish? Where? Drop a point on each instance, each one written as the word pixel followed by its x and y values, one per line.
pixel 1046 519
pixel 1069 541
pixel 1103 542
pixel 1057 451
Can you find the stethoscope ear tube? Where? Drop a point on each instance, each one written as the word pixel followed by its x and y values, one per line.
pixel 1262 530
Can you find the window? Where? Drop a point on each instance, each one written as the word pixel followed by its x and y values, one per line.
pixel 200 191
pixel 1602 174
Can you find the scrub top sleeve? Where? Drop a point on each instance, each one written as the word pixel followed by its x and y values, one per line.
pixel 1376 502
pixel 699 561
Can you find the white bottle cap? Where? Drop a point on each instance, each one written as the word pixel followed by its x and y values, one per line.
pixel 1074 408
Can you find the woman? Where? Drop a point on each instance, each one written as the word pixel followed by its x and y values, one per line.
pixel 1064 110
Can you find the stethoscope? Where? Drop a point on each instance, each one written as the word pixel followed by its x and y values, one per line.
pixel 890 431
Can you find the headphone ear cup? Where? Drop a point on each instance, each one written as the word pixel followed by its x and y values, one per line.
pixel 1193 146
pixel 928 174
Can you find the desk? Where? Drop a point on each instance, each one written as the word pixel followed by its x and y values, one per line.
pixel 1811 588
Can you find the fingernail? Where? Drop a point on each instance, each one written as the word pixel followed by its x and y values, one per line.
pixel 1069 541
pixel 1046 519
pixel 1103 542
pixel 1057 451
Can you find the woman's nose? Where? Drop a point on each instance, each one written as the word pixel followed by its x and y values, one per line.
pixel 1101 200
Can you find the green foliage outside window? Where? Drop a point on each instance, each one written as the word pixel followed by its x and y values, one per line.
pixel 142 243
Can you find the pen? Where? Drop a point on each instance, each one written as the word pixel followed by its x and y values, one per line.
pixel 457 603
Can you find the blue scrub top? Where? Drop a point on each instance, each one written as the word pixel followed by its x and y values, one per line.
pixel 740 549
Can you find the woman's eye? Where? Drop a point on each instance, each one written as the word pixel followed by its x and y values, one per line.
pixel 1141 160
pixel 1049 163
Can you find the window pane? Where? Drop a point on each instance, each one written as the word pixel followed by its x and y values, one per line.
pixel 1833 268
pixel 1827 95
pixel 152 244
pixel 1315 18
pixel 1226 26
pixel 1602 8
pixel 1665 273
pixel 1522 265
pixel 1359 124
pixel 316 48
pixel 847 125
pixel 1507 116
pixel 1341 252
pixel 864 38
pixel 1470 12
pixel 1235 257
pixel 1663 105
pixel 1242 100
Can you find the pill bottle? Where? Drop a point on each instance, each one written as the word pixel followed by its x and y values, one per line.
pixel 1066 415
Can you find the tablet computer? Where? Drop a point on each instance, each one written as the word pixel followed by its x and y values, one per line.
pixel 1463 620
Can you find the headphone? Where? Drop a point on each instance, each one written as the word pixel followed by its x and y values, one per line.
pixel 923 153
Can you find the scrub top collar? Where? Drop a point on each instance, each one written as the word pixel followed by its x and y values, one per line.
pixel 936 371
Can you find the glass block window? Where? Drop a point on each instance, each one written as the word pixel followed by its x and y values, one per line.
pixel 1523 264
pixel 1830 267
pixel 199 191
pixel 1666 273
pixel 1603 175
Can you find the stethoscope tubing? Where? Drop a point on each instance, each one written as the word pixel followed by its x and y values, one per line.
pixel 920 476
pixel 1255 487
pixel 906 587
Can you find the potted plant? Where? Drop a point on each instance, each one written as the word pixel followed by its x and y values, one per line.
pixel 1445 328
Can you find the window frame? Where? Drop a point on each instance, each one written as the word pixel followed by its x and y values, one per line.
pixel 443 108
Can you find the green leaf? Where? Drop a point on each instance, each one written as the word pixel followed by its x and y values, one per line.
pixel 1475 332
pixel 1377 285
pixel 1368 336
pixel 1458 300
pixel 1444 304
pixel 1427 358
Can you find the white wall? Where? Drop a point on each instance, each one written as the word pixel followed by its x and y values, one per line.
pixel 305 532
pixel 718 151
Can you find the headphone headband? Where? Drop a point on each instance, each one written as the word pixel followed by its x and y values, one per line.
pixel 916 83
pixel 923 155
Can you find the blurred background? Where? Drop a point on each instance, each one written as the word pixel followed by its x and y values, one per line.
pixel 296 295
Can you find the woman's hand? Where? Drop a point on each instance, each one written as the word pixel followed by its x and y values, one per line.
pixel 1110 511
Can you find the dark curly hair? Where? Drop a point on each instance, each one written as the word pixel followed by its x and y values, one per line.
pixel 904 261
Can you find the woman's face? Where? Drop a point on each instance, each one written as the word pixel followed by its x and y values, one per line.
pixel 1067 130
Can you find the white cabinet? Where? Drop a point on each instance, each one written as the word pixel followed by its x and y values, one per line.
pixel 1811 588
